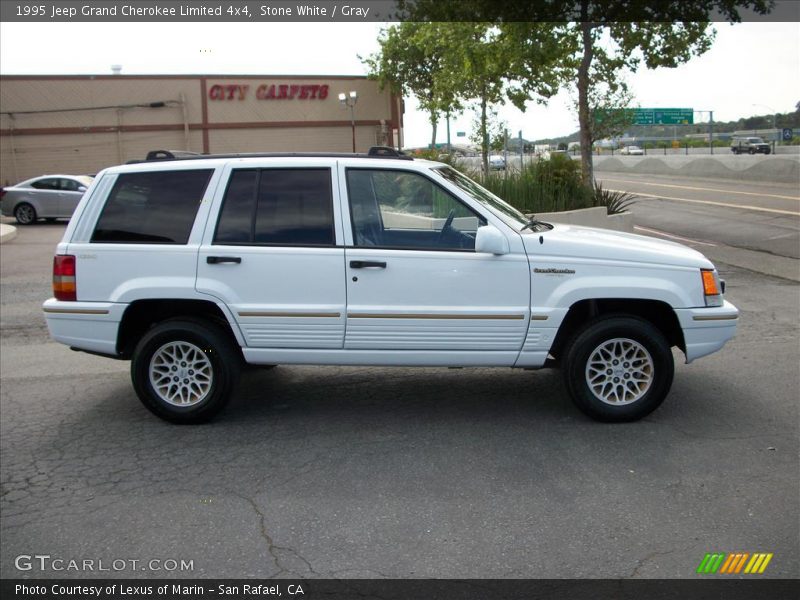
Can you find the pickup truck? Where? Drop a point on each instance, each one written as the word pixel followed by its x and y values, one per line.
pixel 750 145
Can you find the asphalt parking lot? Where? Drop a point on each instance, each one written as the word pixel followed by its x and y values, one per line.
pixel 378 472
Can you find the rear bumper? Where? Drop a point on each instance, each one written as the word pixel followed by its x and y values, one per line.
pixel 90 326
pixel 705 330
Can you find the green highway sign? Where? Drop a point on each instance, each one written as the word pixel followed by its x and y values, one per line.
pixel 663 116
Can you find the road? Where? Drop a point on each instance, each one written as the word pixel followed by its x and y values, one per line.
pixel 372 472
pixel 754 225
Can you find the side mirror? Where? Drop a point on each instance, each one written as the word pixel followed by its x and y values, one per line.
pixel 489 240
pixel 81 188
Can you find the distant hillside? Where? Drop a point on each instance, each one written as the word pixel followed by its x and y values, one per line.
pixel 791 120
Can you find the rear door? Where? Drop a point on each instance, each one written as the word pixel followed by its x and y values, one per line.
pixel 272 254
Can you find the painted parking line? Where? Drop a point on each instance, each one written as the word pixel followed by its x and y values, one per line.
pixel 672 236
pixel 705 189
pixel 712 203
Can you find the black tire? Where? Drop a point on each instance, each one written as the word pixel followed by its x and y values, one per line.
pixel 768 151
pixel 622 378
pixel 752 150
pixel 204 345
pixel 25 214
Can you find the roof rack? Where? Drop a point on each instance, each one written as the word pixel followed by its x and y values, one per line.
pixel 374 152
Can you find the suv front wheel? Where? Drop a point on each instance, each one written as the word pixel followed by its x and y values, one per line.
pixel 185 371
pixel 618 368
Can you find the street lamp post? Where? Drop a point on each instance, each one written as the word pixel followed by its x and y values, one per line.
pixel 350 101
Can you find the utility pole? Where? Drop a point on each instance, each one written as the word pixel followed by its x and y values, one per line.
pixel 711 130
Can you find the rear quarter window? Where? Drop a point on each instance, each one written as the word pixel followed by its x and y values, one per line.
pixel 156 207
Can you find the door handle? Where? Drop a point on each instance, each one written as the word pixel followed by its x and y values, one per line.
pixel 366 264
pixel 217 260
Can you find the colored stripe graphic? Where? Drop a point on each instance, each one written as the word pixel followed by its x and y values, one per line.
pixel 733 563
pixel 711 562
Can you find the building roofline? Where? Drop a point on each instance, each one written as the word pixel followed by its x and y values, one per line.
pixel 106 76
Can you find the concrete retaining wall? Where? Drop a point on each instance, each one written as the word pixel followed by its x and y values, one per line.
pixel 591 217
pixel 780 169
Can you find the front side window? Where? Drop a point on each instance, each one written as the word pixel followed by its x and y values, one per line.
pixel 403 209
pixel 156 207
pixel 277 207
pixel 510 215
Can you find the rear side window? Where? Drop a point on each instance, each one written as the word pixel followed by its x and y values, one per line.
pixel 69 185
pixel 277 207
pixel 45 184
pixel 152 208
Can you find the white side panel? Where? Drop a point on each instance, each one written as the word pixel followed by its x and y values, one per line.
pixel 417 358
pixel 436 300
pixel 441 334
pixel 128 272
pixel 281 297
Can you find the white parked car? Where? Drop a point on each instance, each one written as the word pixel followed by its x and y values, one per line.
pixel 497 162
pixel 632 151
pixel 190 268
pixel 46 197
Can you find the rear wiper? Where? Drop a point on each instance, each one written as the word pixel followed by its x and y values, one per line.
pixel 533 223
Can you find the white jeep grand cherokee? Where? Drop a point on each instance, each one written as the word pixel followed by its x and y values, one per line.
pixel 192 267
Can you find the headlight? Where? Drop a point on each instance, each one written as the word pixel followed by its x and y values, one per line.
pixel 712 288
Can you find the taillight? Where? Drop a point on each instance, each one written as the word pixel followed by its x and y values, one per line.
pixel 64 287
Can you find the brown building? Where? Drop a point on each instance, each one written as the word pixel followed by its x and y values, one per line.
pixel 82 124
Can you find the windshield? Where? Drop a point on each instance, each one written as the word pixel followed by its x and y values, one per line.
pixel 510 215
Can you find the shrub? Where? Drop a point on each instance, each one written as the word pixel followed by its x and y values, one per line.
pixel 543 186
pixel 615 201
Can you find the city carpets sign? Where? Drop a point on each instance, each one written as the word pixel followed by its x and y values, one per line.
pixel 269 91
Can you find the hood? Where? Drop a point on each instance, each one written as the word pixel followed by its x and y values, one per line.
pixel 603 244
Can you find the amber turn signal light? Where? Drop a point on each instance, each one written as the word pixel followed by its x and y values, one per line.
pixel 710 287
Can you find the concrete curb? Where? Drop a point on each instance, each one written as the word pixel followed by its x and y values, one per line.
pixel 7 233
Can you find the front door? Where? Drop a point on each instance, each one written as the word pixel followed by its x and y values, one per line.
pixel 273 257
pixel 417 292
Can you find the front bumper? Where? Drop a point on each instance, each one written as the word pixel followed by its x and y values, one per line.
pixel 705 330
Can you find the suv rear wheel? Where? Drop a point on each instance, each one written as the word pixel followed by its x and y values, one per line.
pixel 185 371
pixel 618 368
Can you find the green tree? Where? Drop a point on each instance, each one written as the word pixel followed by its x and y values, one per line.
pixel 612 36
pixel 445 64
pixel 610 112
pixel 411 62
pixel 495 129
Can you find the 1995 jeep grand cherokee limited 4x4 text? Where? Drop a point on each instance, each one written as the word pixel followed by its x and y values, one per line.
pixel 192 267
